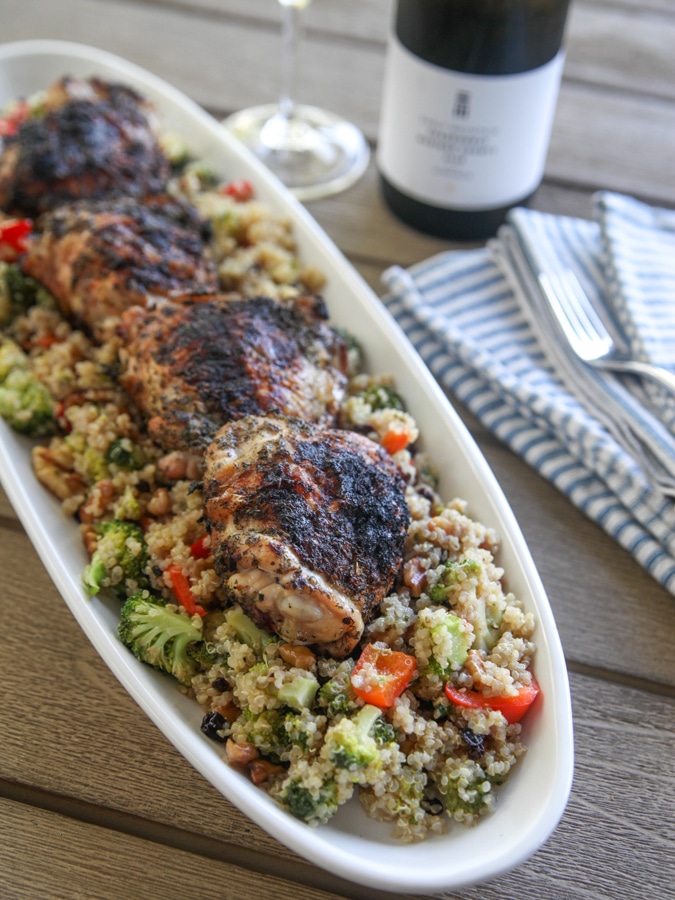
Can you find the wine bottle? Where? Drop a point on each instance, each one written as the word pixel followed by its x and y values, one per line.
pixel 469 97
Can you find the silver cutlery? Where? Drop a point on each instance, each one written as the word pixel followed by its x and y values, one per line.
pixel 587 334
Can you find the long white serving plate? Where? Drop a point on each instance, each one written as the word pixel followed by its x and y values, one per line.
pixel 353 846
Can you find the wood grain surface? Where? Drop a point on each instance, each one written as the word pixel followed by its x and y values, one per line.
pixel 94 801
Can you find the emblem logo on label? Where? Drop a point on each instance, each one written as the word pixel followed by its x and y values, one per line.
pixel 461 105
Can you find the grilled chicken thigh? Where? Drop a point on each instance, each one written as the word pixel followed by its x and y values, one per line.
pixel 100 257
pixel 194 365
pixel 307 524
pixel 93 140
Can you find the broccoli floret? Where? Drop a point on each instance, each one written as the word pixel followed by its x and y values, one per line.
pixel 18 292
pixel 160 637
pixel 11 357
pixel 128 507
pixel 455 578
pixel 299 693
pixel 94 465
pixel 464 796
pixel 453 573
pixel 383 397
pixel 119 559
pixel 247 631
pixel 275 731
pixel 383 732
pixel 206 176
pixel 313 805
pixel 26 405
pixel 124 454
pixel 442 642
pixel 349 743
pixel 337 696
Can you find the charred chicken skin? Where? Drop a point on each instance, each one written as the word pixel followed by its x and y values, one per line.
pixel 100 257
pixel 191 366
pixel 307 526
pixel 94 140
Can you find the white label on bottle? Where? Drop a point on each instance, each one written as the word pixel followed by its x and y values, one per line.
pixel 462 141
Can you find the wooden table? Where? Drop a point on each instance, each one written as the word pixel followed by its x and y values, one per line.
pixel 94 802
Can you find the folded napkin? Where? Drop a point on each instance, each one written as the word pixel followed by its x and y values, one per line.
pixel 481 323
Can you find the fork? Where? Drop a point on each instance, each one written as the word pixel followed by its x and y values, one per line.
pixel 587 334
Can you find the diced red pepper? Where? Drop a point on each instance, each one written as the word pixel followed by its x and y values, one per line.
pixel 46 340
pixel 512 708
pixel 239 189
pixel 393 441
pixel 201 549
pixel 14 235
pixel 9 124
pixel 381 675
pixel 182 590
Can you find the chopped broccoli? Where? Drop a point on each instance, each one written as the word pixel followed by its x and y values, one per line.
pixel 128 507
pixel 18 292
pixel 124 454
pixel 453 573
pixel 11 357
pixel 276 731
pixel 483 613
pixel 119 559
pixel 442 641
pixel 247 631
pixel 349 743
pixel 337 695
pixel 26 405
pixel 206 176
pixel 383 732
pixel 299 693
pixel 464 788
pixel 383 397
pixel 161 638
pixel 94 465
pixel 313 805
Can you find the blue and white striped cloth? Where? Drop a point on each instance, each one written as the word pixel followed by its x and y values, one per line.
pixel 480 322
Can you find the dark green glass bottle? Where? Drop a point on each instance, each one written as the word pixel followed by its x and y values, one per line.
pixel 469 97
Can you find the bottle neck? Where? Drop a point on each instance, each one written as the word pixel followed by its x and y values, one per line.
pixel 483 37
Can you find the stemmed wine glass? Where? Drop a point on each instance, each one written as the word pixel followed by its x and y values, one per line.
pixel 315 153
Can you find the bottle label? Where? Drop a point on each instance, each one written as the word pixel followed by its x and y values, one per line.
pixel 461 141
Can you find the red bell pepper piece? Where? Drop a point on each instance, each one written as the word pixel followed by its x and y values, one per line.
pixel 201 549
pixel 14 235
pixel 182 590
pixel 512 708
pixel 239 189
pixel 381 675
pixel 9 124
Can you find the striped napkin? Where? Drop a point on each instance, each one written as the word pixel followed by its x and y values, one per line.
pixel 480 322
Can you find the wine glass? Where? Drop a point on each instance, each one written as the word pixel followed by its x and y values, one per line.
pixel 315 153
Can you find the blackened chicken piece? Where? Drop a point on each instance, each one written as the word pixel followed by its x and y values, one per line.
pixel 94 140
pixel 307 525
pixel 191 366
pixel 98 258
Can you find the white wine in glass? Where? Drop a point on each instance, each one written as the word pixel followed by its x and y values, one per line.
pixel 315 153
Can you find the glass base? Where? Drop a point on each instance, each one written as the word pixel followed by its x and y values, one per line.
pixel 314 153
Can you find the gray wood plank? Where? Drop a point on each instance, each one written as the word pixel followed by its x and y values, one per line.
pixel 66 859
pixel 622 48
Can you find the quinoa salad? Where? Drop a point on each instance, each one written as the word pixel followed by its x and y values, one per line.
pixel 420 717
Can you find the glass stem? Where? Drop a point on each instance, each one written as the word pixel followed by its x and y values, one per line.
pixel 291 33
